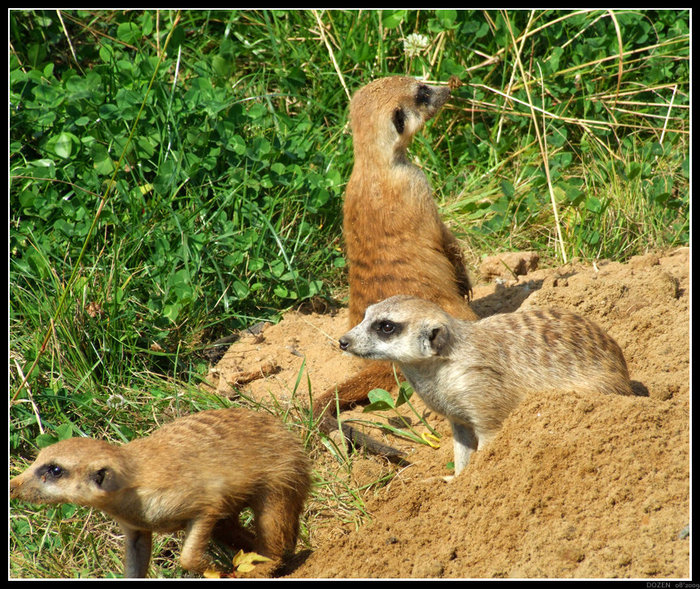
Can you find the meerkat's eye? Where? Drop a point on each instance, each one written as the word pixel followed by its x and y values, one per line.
pixel 54 471
pixel 423 95
pixel 399 120
pixel 387 327
pixel 384 328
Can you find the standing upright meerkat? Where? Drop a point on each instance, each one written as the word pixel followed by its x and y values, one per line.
pixel 476 372
pixel 196 473
pixel 395 241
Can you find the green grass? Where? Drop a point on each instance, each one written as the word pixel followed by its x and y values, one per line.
pixel 178 175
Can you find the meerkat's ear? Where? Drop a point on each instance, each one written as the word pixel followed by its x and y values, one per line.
pixel 106 479
pixel 436 340
pixel 441 340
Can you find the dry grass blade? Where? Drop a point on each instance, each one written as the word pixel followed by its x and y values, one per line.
pixel 668 114
pixel 509 87
pixel 621 52
pixel 93 31
pixel 322 30
pixel 68 39
pixel 542 143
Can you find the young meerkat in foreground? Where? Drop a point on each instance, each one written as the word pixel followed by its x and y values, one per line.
pixel 476 372
pixel 395 241
pixel 196 473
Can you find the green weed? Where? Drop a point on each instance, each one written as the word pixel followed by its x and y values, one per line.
pixel 381 400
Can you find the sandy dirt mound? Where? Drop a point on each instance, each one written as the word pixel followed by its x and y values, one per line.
pixel 573 485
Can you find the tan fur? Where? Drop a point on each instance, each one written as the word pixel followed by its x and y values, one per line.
pixel 196 473
pixel 476 372
pixel 395 241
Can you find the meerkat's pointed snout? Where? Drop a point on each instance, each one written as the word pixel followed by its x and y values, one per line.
pixel 16 486
pixel 435 99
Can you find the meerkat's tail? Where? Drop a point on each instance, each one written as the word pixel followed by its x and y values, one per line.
pixel 355 390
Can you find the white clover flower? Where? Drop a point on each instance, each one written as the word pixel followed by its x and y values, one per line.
pixel 414 44
pixel 115 401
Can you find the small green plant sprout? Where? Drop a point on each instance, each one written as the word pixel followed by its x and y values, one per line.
pixel 381 400
pixel 62 432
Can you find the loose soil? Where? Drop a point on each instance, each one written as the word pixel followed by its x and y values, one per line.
pixel 574 486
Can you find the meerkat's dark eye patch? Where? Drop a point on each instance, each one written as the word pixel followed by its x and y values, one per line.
pixel 386 328
pixel 423 95
pixel 399 119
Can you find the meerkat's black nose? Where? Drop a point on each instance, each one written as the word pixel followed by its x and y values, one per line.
pixel 343 343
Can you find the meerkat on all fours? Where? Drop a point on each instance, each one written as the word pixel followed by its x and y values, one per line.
pixel 395 241
pixel 476 372
pixel 196 473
